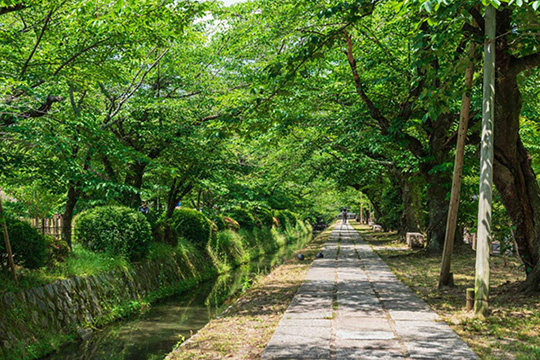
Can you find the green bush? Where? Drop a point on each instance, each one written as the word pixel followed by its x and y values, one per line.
pixel 218 220
pixel 228 246
pixel 57 250
pixel 263 217
pixel 157 224
pixel 244 217
pixel 115 230
pixel 192 225
pixel 230 223
pixel 286 218
pixel 28 246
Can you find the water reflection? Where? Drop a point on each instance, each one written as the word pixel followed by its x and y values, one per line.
pixel 169 322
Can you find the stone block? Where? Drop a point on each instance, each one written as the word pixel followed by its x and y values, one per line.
pixel 377 228
pixel 415 240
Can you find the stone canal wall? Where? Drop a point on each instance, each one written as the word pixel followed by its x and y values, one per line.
pixel 35 321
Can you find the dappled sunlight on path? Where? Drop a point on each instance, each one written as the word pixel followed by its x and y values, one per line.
pixel 351 306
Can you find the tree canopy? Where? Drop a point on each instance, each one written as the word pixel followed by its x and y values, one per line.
pixel 295 105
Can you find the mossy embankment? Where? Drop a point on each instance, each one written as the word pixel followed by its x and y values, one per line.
pixel 245 328
pixel 38 320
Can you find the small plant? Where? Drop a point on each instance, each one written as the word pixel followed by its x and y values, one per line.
pixel 57 250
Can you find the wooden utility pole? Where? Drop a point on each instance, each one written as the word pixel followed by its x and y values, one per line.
pixel 481 283
pixel 446 278
pixel 6 240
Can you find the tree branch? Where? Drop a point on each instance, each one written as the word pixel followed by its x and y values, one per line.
pixel 525 63
pixel 78 54
pixel 7 9
pixel 43 109
pixel 38 41
pixel 132 89
pixel 373 110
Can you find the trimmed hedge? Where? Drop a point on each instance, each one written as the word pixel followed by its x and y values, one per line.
pixel 243 217
pixel 116 230
pixel 192 225
pixel 28 246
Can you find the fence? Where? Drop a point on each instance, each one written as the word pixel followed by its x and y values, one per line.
pixel 51 226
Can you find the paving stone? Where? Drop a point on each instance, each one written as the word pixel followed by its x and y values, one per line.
pixel 306 323
pixel 450 349
pixel 369 349
pixel 297 351
pixel 364 335
pixel 309 315
pixel 364 323
pixel 413 315
pixel 424 330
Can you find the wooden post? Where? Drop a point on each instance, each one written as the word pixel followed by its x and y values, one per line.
pixel 6 240
pixel 361 209
pixel 469 299
pixel 481 283
pixel 445 278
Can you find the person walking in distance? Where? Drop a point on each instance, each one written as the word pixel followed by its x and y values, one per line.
pixel 344 215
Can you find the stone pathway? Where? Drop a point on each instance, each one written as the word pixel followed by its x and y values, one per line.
pixel 351 306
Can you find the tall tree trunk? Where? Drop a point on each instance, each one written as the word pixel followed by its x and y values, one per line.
pixel 514 177
pixel 438 181
pixel 134 178
pixel 513 174
pixel 67 217
pixel 411 220
pixel 437 209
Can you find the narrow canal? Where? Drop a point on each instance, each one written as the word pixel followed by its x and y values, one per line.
pixel 171 321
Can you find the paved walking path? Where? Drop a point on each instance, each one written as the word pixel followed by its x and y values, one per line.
pixel 351 306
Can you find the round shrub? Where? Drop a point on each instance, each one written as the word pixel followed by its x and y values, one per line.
pixel 243 217
pixel 28 246
pixel 191 225
pixel 116 230
pixel 57 250
pixel 263 217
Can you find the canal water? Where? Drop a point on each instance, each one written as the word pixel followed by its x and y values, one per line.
pixel 173 320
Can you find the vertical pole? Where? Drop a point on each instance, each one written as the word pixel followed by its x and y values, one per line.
pixel 481 284
pixel 361 208
pixel 445 278
pixel 6 240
